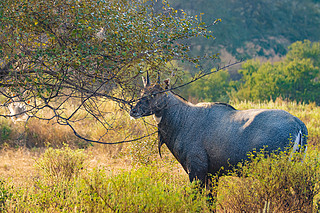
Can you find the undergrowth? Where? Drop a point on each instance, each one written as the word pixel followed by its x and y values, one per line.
pixel 64 163
pixel 143 189
pixel 264 183
pixel 271 183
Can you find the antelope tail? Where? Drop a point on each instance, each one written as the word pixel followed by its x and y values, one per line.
pixel 299 145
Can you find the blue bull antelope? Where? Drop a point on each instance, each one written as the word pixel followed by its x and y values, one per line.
pixel 207 136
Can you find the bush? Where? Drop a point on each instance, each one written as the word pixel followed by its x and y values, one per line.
pixel 144 190
pixel 143 152
pixel 141 190
pixel 5 194
pixel 5 132
pixel 272 184
pixel 62 163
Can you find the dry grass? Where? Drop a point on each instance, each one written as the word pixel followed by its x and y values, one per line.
pixel 22 144
pixel 17 165
pixel 18 162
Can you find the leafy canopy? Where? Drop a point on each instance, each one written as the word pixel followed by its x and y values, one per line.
pixel 56 50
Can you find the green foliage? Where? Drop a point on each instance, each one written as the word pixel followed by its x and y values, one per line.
pixel 58 196
pixel 272 183
pixel 5 194
pixel 83 46
pixel 88 52
pixel 5 132
pixel 142 190
pixel 294 78
pixel 215 87
pixel 305 50
pixel 61 164
pixel 145 190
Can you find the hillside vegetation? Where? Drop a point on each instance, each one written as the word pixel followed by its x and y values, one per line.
pixel 255 27
pixel 284 32
pixel 296 78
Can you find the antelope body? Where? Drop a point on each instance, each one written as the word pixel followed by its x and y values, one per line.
pixel 207 136
pixel 18 112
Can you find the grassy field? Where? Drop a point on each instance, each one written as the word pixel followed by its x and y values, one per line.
pixel 39 173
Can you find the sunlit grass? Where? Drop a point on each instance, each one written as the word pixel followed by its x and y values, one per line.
pixel 128 169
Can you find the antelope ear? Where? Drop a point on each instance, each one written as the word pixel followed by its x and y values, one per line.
pixel 167 83
pixel 144 81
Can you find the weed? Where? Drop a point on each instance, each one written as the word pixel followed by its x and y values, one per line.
pixel 5 132
pixel 143 152
pixel 271 182
pixel 62 163
pixel 5 194
pixel 144 190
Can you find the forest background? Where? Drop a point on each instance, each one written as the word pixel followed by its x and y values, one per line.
pixel 279 41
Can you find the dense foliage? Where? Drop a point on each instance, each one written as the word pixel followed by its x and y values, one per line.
pixel 271 183
pixel 53 51
pixel 214 87
pixel 66 184
pixel 296 77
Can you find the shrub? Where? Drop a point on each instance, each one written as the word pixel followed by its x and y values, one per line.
pixel 272 184
pixel 5 194
pixel 5 132
pixel 143 190
pixel 143 152
pixel 62 163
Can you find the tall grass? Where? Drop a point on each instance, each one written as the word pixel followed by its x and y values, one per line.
pixel 64 163
pixel 70 180
pixel 271 183
pixel 144 189
pixel 266 184
pixel 115 125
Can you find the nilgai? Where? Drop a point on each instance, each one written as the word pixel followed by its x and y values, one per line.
pixel 207 136
pixel 18 111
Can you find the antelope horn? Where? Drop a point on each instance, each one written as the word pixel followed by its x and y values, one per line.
pixel 148 79
pixel 158 77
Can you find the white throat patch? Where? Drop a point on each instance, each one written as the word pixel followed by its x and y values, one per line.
pixel 157 119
